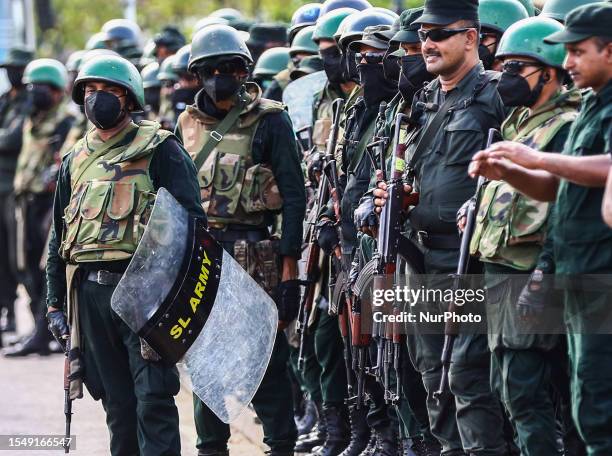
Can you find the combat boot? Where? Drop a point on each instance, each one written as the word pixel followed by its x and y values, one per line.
pixel 371 446
pixel 360 432
pixel 309 417
pixel 316 437
pixel 420 447
pixel 37 343
pixel 213 452
pixel 387 442
pixel 338 431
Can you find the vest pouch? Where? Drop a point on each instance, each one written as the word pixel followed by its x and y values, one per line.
pixel 205 177
pixel 527 220
pixel 259 190
pixel 92 211
pixel 71 228
pixel 115 220
pixel 227 185
pixel 493 219
pixel 486 198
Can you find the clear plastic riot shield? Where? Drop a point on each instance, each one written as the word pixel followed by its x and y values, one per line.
pixel 299 98
pixel 191 301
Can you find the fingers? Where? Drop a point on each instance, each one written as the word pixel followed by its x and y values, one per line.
pixel 382 185
pixel 407 188
pixel 461 223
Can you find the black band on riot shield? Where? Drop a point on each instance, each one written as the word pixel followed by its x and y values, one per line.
pixel 178 321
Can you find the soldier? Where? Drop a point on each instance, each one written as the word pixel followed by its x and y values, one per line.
pixel 582 241
pixel 271 62
pixel 265 36
pixel 152 86
pixel 124 37
pixel 44 132
pixel 168 79
pixel 495 18
pixel 524 365
pixel 187 85
pixel 245 148
pixel 167 42
pixel 304 16
pixel 14 108
pixel 440 147
pixel 105 186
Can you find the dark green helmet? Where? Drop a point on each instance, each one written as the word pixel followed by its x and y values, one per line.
pixel 170 37
pixel 46 71
pixel 215 41
pixel 96 41
pixel 180 64
pixel 498 15
pixel 303 43
pixel 354 25
pixel 166 72
pixel 526 39
pixel 327 25
pixel 271 62
pixel 529 6
pixel 304 16
pixel 149 76
pixel 123 36
pixel 113 70
pixel 558 9
pixel 18 57
pixel 330 5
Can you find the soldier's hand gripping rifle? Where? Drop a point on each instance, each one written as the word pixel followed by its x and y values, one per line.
pixel 314 251
pixel 451 328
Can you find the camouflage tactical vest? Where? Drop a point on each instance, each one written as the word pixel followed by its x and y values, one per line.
pixel 233 189
pixel 510 227
pixel 112 194
pixel 38 161
pixel 323 113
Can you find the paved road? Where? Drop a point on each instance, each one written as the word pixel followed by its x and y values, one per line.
pixel 31 402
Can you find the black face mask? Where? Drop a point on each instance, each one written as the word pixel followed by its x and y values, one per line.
pixel 104 110
pixel 332 64
pixel 514 89
pixel 349 67
pixel 152 97
pixel 376 87
pixel 390 65
pixel 486 56
pixel 221 86
pixel 41 98
pixel 183 97
pixel 413 74
pixel 14 75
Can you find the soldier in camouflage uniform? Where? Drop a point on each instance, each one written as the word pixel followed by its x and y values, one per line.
pixel 168 78
pixel 14 108
pixel 44 132
pixel 249 172
pixel 152 86
pixel 105 191
pixel 271 62
pixel 510 234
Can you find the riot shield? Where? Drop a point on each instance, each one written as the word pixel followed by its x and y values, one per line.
pixel 191 301
pixel 299 98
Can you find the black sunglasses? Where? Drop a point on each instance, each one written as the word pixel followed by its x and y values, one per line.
pixel 440 34
pixel 515 66
pixel 369 57
pixel 225 66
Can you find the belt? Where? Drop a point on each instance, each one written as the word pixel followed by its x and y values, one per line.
pixel 438 241
pixel 255 235
pixel 102 277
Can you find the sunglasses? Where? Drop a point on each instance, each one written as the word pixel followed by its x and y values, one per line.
pixel 369 57
pixel 441 34
pixel 515 66
pixel 222 67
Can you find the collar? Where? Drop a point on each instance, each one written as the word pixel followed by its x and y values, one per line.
pixel 604 96
pixel 468 79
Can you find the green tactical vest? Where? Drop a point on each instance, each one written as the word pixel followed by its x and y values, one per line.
pixel 510 227
pixel 39 152
pixel 234 190
pixel 112 194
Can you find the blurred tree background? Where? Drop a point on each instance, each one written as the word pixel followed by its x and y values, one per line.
pixel 65 25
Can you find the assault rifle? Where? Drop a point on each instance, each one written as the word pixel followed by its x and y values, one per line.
pixel 67 400
pixel 451 328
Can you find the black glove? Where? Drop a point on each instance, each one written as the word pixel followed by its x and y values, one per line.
pixel 327 236
pixel 58 325
pixel 531 301
pixel 288 300
pixel 364 214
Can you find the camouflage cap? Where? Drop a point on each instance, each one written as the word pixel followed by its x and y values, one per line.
pixel 370 38
pixel 408 28
pixel 18 56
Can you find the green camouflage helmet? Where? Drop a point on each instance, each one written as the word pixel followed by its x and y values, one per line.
pixel 166 72
pixel 303 43
pixel 327 25
pixel 215 41
pixel 498 15
pixel 96 41
pixel 354 25
pixel 558 9
pixel 181 59
pixel 529 6
pixel 149 76
pixel 526 39
pixel 46 71
pixel 271 62
pixel 113 70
